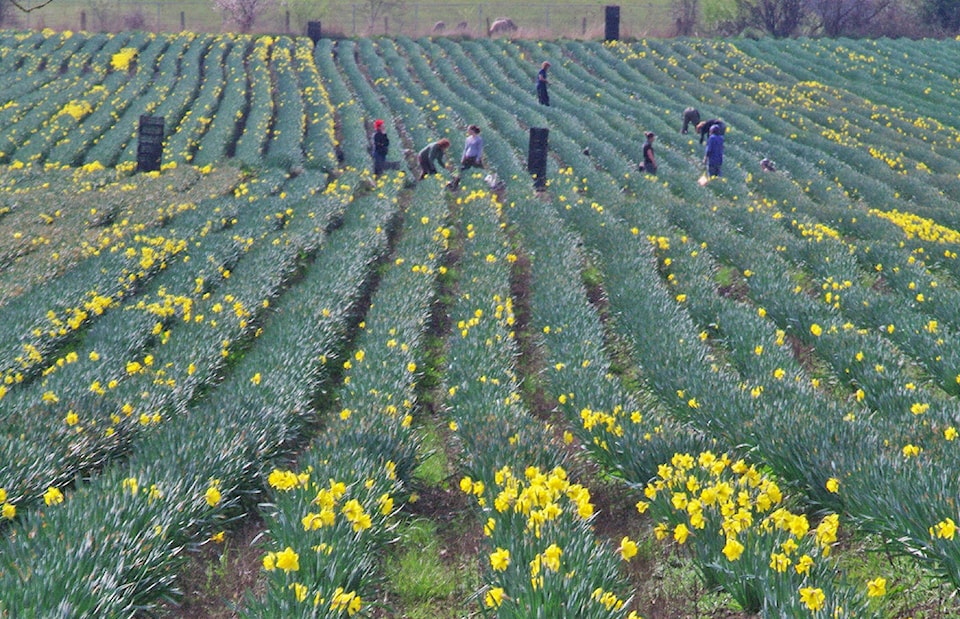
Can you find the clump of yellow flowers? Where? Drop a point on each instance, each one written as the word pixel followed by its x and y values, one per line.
pixel 542 551
pixel 734 521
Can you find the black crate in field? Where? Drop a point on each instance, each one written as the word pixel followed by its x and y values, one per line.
pixel 313 31
pixel 537 156
pixel 612 29
pixel 150 143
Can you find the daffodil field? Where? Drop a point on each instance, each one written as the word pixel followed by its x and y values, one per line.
pixel 764 365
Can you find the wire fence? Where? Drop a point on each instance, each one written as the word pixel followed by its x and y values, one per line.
pixel 371 18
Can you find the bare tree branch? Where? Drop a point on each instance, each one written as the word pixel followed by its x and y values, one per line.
pixel 25 9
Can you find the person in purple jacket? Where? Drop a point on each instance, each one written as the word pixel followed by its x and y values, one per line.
pixel 713 157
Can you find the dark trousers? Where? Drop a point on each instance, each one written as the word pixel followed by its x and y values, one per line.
pixel 379 164
pixel 470 162
pixel 426 166
pixel 713 169
pixel 542 94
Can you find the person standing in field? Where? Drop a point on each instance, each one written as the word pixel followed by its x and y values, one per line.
pixel 713 157
pixel 431 153
pixel 649 164
pixel 381 146
pixel 691 116
pixel 705 128
pixel 472 149
pixel 542 95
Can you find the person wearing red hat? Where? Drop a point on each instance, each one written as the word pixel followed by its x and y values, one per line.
pixel 381 145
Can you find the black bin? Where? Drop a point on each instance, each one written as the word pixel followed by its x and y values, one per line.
pixel 537 156
pixel 612 27
pixel 150 143
pixel 313 31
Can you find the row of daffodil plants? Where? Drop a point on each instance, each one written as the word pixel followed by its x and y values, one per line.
pixel 216 95
pixel 186 134
pixel 925 322
pixel 260 115
pixel 78 110
pixel 59 105
pixel 319 141
pixel 920 538
pixel 609 422
pixel 134 237
pixel 106 208
pixel 331 517
pixel 928 516
pixel 127 529
pixel 32 62
pixel 755 596
pixel 334 514
pixel 543 556
pixel 934 361
pixel 220 134
pixel 95 397
pixel 285 147
pixel 176 98
pixel 919 334
pixel 109 146
pixel 536 517
pixel 122 90
pixel 38 324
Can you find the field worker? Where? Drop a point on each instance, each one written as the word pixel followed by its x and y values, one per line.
pixel 472 149
pixel 649 164
pixel 713 157
pixel 542 96
pixel 704 128
pixel 381 145
pixel 691 116
pixel 767 166
pixel 433 152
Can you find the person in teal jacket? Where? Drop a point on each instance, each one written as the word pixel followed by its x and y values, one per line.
pixel 431 153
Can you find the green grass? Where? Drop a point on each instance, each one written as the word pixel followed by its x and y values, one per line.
pixel 426 578
pixel 434 468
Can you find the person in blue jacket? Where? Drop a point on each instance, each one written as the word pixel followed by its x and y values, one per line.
pixel 713 157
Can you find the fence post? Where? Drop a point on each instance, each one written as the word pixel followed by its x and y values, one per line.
pixel 183 21
pixel 386 25
pixel 354 18
pixel 83 20
pixel 547 16
pixel 286 22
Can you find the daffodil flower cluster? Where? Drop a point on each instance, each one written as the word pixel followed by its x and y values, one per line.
pixel 742 537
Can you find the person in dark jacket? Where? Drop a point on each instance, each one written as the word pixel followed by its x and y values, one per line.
pixel 713 157
pixel 431 153
pixel 691 116
pixel 649 164
pixel 542 95
pixel 381 146
pixel 704 128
